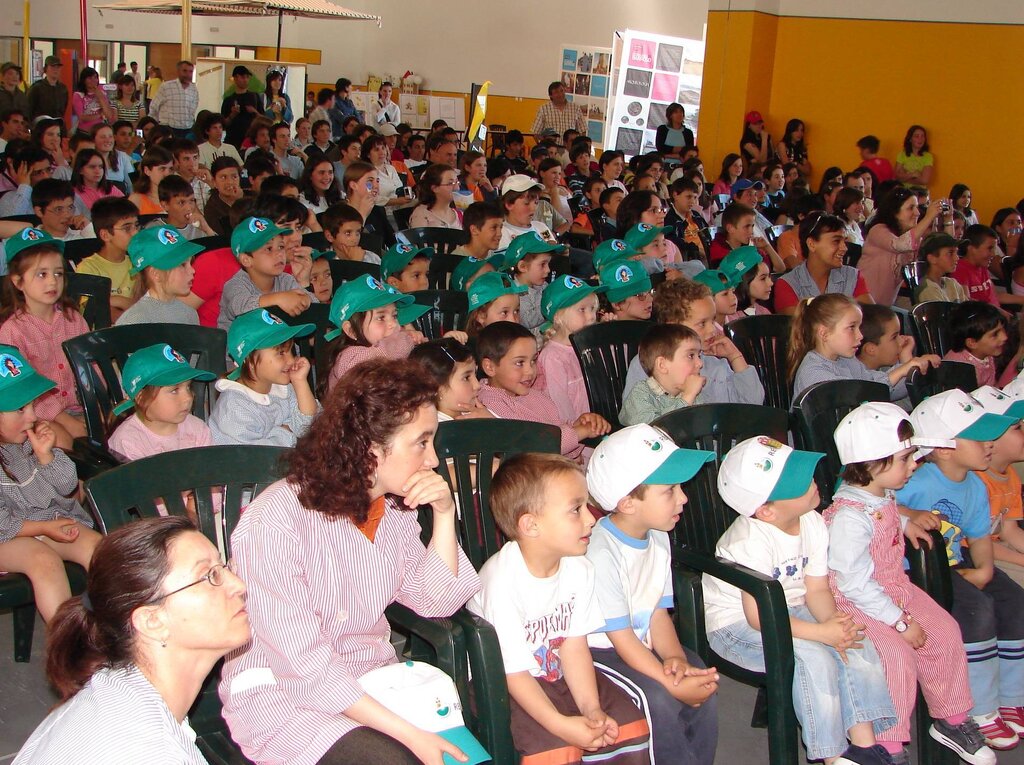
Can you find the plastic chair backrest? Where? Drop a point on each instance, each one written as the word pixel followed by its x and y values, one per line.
pixel 449 309
pixel 723 200
pixel 605 351
pixel 717 428
pixel 317 240
pixel 913 275
pixel 316 314
pixel 30 218
pixel 439 274
pixel 347 270
pixel 931 326
pixel 237 474
pixel 818 410
pixel 764 342
pixel 946 376
pixel 214 242
pixel 97 358
pixel 853 253
pixel 77 250
pixel 96 291
pixel 560 266
pixel 443 240
pixel 372 241
pixel 472 446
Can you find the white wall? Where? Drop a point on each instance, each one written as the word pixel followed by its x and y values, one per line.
pixel 976 11
pixel 451 43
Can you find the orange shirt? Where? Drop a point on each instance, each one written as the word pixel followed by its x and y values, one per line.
pixel 1004 494
pixel 369 527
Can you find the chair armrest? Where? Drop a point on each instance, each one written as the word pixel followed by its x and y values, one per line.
pixel 443 637
pixel 491 719
pixel 929 569
pixel 91 458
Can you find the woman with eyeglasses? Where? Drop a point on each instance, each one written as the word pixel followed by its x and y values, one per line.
pixel 436 191
pixel 324 552
pixel 128 657
pixel 646 207
pixel 892 240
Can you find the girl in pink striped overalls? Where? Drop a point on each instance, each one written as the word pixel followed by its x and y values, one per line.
pixel 917 640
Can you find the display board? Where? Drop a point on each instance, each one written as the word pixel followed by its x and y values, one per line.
pixel 585 73
pixel 418 111
pixel 649 72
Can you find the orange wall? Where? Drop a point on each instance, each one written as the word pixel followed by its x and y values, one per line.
pixel 847 78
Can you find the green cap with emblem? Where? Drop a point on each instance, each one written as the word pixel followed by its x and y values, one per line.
pixel 469 267
pixel 714 280
pixel 161 247
pixel 611 250
pixel 253 233
pixel 489 287
pixel 157 365
pixel 737 262
pixel 563 292
pixel 642 234
pixel 398 256
pixel 364 293
pixel 20 384
pixel 530 243
pixel 259 329
pixel 624 280
pixel 29 237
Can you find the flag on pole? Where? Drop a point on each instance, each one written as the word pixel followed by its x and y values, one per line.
pixel 476 137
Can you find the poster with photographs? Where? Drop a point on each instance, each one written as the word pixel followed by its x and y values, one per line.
pixel 649 72
pixel 585 73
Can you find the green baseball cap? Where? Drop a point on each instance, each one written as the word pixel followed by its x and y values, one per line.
pixel 28 237
pixel 253 233
pixel 642 234
pixel 158 365
pixel 316 255
pixel 714 280
pixel 470 267
pixel 259 329
pixel 563 292
pixel 625 279
pixel 162 248
pixel 364 293
pixel 611 250
pixel 399 256
pixel 407 314
pixel 20 384
pixel 489 287
pixel 529 243
pixel 738 262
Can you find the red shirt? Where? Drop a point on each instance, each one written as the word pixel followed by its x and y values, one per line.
pixel 213 269
pixel 977 281
pixel 881 167
pixel 785 296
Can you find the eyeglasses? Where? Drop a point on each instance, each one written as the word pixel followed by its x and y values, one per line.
pixel 449 183
pixel 60 209
pixel 216 576
pixel 129 228
pixel 662 210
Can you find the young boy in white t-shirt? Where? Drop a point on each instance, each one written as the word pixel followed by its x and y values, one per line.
pixel 520 195
pixel 538 592
pixel 839 686
pixel 634 474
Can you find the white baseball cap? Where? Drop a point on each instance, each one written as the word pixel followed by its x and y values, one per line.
pixel 761 470
pixel 954 414
pixel 424 696
pixel 637 455
pixel 870 432
pixel 1016 386
pixel 520 183
pixel 387 129
pixel 1000 402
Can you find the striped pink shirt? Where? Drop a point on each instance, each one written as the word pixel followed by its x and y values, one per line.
pixel 535 406
pixel 396 346
pixel 317 593
pixel 560 376
pixel 40 341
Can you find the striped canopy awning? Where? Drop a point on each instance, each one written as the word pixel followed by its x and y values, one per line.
pixel 306 8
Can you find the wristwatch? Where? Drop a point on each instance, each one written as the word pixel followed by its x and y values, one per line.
pixel 901 626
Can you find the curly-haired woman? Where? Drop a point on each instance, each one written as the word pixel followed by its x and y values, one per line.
pixel 324 552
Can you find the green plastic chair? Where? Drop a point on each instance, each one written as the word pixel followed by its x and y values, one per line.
pixel 439 274
pixel 448 311
pixel 605 351
pixel 467 451
pixel 97 358
pixel 764 342
pixel 95 290
pixel 717 427
pixel 443 240
pixel 16 595
pixel 131 491
pixel 347 270
pixel 310 345
pixel 931 326
pixel 946 376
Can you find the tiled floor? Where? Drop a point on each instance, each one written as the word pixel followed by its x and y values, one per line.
pixel 25 699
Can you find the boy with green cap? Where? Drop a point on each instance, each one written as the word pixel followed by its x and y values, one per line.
pixel 156 384
pixel 839 684
pixel 369 317
pixel 649 242
pixel 404 267
pixel 528 258
pixel 634 476
pixel 162 258
pixel 262 282
pixel 266 399
pixel 629 289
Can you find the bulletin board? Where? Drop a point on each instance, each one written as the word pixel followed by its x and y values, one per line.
pixel 418 111
pixel 649 72
pixel 585 73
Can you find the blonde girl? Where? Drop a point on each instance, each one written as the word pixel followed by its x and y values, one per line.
pixel 163 258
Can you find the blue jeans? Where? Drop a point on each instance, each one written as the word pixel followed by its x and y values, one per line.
pixel 829 696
